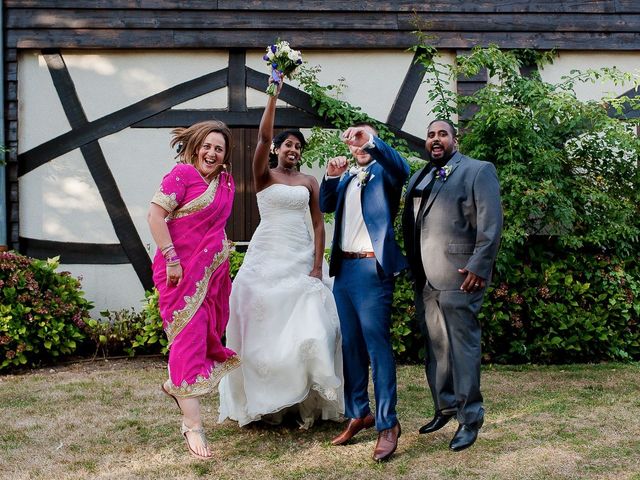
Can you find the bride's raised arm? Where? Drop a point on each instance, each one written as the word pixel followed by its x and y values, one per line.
pixel 261 172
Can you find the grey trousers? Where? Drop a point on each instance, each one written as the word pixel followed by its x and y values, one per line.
pixel 454 351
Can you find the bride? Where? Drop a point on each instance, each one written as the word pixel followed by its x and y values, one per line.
pixel 283 321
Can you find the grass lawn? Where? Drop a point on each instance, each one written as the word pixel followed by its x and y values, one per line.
pixel 109 420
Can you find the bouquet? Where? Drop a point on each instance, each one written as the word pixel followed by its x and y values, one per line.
pixel 283 60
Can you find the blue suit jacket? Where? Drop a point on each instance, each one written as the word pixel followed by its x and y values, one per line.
pixel 380 199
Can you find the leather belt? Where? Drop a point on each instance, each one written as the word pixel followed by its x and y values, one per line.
pixel 358 255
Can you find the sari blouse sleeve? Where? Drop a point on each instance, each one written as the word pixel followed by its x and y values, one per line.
pixel 172 188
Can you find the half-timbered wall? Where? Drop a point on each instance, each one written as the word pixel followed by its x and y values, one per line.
pixel 93 88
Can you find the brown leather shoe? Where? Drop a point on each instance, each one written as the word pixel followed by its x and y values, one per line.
pixel 387 443
pixel 353 427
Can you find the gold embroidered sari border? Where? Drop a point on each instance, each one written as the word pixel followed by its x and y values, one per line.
pixel 167 202
pixel 197 203
pixel 204 384
pixel 181 318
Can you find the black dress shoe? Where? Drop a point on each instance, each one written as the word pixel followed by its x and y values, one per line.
pixel 465 436
pixel 439 421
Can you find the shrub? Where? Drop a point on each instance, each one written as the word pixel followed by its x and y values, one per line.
pixel 129 332
pixel 42 313
pixel 570 182
pixel 114 332
pixel 569 177
pixel 235 260
pixel 151 337
pixel 563 308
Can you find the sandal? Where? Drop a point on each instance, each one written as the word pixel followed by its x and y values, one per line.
pixel 184 430
pixel 168 394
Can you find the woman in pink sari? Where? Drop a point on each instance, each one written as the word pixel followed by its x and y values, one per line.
pixel 187 218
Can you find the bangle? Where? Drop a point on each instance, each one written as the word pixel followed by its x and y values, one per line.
pixel 173 263
pixel 166 247
pixel 169 254
pixel 172 259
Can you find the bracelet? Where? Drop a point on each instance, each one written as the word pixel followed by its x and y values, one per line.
pixel 166 247
pixel 169 254
pixel 172 259
pixel 173 263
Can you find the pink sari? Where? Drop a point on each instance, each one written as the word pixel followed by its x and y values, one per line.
pixel 195 312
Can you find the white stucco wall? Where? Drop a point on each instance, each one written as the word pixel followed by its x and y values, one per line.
pixel 568 61
pixel 111 80
pixel 59 200
pixel 39 106
pixel 371 81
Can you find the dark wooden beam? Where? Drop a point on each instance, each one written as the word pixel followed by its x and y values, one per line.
pixel 237 81
pixel 186 19
pixel 100 172
pixel 124 39
pixel 406 94
pixel 468 86
pixel 292 96
pixel 518 22
pixel 120 119
pixel 73 252
pixel 514 6
pixel 285 118
pixel 628 111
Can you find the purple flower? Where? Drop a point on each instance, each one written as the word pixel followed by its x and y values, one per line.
pixel 274 65
pixel 265 57
pixel 299 62
pixel 273 48
pixel 443 172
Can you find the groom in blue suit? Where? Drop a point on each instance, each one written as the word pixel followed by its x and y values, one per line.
pixel 364 260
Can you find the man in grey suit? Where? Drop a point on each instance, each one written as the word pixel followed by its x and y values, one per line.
pixel 452 224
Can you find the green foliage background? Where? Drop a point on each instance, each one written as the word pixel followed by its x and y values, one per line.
pixel 567 277
pixel 566 284
pixel 42 312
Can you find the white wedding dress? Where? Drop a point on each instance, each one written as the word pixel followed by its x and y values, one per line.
pixel 283 323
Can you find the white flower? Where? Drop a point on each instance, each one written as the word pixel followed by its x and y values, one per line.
pixel 443 172
pixel 293 55
pixel 284 49
pixel 361 174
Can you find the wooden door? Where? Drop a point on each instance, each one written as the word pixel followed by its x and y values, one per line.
pixel 244 216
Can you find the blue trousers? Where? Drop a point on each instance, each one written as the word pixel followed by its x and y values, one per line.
pixel 364 300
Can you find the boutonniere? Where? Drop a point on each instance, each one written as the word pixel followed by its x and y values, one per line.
pixel 443 172
pixel 362 175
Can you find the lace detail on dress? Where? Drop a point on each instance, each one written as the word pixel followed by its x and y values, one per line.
pixel 328 393
pixel 279 196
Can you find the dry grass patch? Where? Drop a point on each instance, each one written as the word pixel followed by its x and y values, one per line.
pixel 108 420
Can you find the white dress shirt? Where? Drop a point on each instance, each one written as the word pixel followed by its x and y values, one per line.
pixel 355 236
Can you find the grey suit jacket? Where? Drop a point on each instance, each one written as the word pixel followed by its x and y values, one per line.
pixel 461 226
